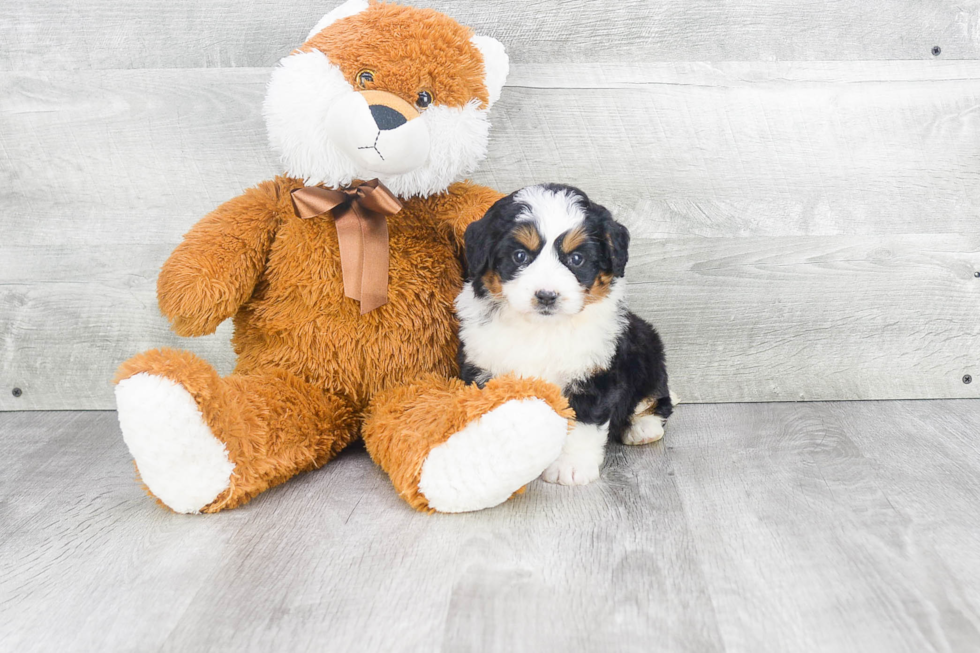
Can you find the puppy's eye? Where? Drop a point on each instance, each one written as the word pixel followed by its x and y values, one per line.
pixel 364 78
pixel 520 257
pixel 575 259
pixel 423 99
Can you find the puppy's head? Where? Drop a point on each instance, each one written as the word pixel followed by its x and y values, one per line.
pixel 388 91
pixel 546 251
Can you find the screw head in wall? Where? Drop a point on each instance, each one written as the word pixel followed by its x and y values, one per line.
pixel 16 392
pixel 936 50
pixel 967 379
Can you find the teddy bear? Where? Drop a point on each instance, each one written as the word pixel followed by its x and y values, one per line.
pixel 340 277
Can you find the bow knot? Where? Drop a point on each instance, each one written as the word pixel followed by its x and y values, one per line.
pixel 360 213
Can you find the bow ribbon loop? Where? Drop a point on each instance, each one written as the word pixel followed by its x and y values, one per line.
pixel 360 213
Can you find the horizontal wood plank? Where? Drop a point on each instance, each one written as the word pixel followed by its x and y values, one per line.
pixel 739 150
pixel 750 319
pixel 103 34
pixel 780 196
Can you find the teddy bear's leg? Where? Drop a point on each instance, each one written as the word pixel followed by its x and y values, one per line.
pixel 203 443
pixel 452 447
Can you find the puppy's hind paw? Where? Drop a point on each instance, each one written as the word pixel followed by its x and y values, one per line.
pixel 644 430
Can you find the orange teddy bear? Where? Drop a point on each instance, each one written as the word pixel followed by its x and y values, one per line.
pixel 340 333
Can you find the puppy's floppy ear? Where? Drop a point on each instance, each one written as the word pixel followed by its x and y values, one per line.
pixel 480 237
pixel 616 239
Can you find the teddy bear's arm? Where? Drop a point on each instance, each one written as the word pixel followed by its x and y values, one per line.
pixel 214 270
pixel 464 203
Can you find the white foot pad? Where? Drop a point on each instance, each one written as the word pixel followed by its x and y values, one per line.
pixel 493 457
pixel 645 429
pixel 573 468
pixel 582 456
pixel 178 458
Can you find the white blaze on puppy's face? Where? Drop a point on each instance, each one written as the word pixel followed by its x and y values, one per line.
pixel 552 214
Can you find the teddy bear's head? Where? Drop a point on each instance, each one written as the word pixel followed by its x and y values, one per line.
pixel 388 91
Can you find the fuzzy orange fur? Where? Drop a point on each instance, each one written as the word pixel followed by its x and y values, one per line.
pixel 274 425
pixel 429 44
pixel 408 421
pixel 312 372
pixel 309 364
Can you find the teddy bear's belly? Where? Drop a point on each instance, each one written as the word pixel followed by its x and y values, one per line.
pixel 300 320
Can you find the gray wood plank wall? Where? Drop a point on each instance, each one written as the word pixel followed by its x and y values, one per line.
pixel 803 180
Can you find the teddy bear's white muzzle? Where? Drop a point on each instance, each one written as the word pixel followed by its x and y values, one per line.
pixel 376 138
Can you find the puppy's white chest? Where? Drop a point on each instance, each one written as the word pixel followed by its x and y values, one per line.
pixel 561 351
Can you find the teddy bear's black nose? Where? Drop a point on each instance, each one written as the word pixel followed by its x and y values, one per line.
pixel 386 117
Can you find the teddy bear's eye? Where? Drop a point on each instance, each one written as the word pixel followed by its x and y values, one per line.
pixel 364 78
pixel 423 100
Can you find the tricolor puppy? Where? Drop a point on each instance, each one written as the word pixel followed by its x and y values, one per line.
pixel 545 297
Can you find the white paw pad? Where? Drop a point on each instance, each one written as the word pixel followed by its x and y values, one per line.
pixel 493 457
pixel 644 430
pixel 178 458
pixel 573 468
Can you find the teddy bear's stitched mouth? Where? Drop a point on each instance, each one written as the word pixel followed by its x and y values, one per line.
pixel 374 146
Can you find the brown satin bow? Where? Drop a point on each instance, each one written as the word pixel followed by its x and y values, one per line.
pixel 360 213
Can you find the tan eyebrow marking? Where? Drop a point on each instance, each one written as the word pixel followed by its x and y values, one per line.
pixel 528 236
pixel 574 239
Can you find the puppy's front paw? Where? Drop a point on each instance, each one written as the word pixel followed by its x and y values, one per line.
pixel 577 468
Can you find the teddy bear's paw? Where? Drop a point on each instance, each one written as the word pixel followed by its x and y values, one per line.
pixel 493 457
pixel 179 459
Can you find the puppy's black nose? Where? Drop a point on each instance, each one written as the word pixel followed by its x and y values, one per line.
pixel 546 297
pixel 386 117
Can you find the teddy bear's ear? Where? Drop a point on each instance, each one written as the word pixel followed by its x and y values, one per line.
pixel 349 8
pixel 495 62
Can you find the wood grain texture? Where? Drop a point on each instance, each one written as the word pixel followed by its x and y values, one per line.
pixel 917 462
pixel 53 34
pixel 803 543
pixel 771 204
pixel 778 527
pixel 687 149
pixel 751 319
pixel 813 318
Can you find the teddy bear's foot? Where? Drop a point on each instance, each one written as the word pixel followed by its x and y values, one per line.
pixel 452 447
pixel 484 464
pixel 179 459
pixel 203 443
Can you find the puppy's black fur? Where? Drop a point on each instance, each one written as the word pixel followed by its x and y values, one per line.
pixel 638 371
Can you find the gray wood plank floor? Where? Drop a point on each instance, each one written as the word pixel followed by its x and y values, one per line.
pixel 753 527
